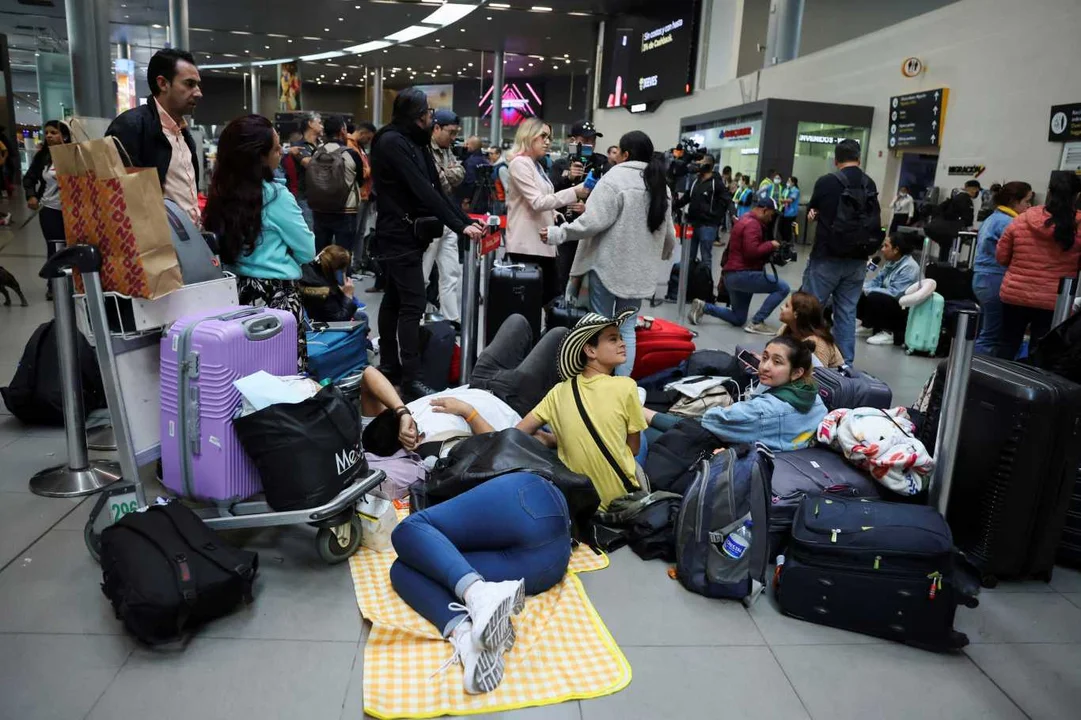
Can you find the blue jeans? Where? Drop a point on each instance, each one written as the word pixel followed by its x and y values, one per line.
pixel 603 302
pixel 702 239
pixel 335 229
pixel 838 281
pixel 513 527
pixel 986 288
pixel 743 285
pixel 306 211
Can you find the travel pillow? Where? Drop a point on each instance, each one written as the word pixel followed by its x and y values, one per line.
pixel 917 293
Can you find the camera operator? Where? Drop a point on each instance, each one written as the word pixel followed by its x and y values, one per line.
pixel 412 212
pixel 567 172
pixel 707 202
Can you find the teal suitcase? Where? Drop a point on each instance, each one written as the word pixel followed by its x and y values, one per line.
pixel 924 325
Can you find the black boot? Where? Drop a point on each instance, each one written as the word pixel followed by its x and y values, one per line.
pixel 415 389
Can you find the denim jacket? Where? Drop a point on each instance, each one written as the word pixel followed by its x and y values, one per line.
pixel 766 419
pixel 894 277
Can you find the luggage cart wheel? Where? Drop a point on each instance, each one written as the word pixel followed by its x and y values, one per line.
pixel 93 541
pixel 336 544
pixel 989 581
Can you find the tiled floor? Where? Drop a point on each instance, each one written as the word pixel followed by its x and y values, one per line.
pixel 297 652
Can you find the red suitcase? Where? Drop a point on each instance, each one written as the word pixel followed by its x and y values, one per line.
pixel 660 346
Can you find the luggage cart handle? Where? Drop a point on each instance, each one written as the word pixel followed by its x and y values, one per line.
pixel 84 258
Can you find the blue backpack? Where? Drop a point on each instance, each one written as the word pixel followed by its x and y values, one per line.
pixel 730 488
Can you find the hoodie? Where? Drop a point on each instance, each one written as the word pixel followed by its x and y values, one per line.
pixel 1034 261
pixel 782 419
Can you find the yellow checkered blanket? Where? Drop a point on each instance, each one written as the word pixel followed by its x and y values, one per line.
pixel 563 651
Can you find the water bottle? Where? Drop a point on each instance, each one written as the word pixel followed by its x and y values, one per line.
pixel 738 541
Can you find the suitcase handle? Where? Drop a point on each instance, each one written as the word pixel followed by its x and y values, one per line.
pixel 236 314
pixel 262 328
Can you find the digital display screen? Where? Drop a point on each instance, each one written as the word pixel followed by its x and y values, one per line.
pixel 521 100
pixel 650 57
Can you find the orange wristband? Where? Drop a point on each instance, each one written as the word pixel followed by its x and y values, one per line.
pixel 472 415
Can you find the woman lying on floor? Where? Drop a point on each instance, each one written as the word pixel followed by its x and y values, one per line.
pixel 467 564
pixel 784 411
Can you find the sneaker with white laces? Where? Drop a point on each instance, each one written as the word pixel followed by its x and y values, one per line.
pixel 760 328
pixel 698 308
pixel 490 606
pixel 862 329
pixel 483 668
pixel 881 338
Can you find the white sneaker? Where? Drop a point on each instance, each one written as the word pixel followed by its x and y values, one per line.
pixel 882 338
pixel 483 668
pixel 760 329
pixel 694 315
pixel 862 330
pixel 490 608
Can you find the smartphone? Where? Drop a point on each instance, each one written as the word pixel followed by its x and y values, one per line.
pixel 340 277
pixel 749 359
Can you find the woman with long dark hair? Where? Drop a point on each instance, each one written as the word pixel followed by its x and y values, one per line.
pixel 1039 248
pixel 802 319
pixel 1010 200
pixel 261 231
pixel 625 231
pixel 42 191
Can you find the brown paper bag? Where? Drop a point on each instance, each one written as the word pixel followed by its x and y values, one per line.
pixel 122 212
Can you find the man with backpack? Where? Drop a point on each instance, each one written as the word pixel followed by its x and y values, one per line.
pixel 845 205
pixel 295 163
pixel 333 179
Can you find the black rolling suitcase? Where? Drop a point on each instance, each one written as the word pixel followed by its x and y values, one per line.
pixel 514 289
pixel 1016 466
pixel 875 567
pixel 847 387
pixel 560 313
pixel 952 283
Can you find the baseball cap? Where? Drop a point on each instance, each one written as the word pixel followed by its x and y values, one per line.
pixel 445 117
pixel 585 129
pixel 766 202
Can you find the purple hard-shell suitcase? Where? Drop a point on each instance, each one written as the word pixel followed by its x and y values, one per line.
pixel 201 356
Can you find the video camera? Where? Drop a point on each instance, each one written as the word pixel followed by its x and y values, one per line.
pixel 590 160
pixel 784 254
pixel 687 158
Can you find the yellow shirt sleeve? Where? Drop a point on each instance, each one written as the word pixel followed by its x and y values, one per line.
pixel 636 417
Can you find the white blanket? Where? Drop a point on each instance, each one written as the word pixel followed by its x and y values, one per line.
pixel 882 442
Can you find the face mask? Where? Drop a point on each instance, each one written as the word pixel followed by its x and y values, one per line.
pixel 790 185
pixel 777 179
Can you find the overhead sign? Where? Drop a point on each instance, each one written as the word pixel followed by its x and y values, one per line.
pixel 970 170
pixel 1065 123
pixel 911 67
pixel 916 120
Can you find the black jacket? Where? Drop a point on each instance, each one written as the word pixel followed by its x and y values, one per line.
pixel 406 185
pixel 323 298
pixel 139 131
pixel 34 180
pixel 708 199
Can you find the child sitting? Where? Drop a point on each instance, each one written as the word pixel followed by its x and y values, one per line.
pixel 783 413
pixel 801 316
pixel 588 356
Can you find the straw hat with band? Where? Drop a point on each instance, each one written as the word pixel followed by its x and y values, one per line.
pixel 571 360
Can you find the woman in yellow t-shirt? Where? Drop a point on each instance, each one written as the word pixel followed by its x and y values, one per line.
pixel 588 356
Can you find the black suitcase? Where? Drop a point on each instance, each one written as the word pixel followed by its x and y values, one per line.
pixel 952 283
pixel 847 387
pixel 1016 467
pixel 437 341
pixel 875 567
pixel 514 289
pixel 560 313
pixel 166 572
pixel 811 471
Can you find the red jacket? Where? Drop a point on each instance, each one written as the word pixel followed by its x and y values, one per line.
pixel 1034 261
pixel 747 247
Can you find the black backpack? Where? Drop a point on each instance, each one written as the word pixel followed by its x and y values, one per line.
pixel 856 231
pixel 166 572
pixel 673 458
pixel 700 283
pixel 34 394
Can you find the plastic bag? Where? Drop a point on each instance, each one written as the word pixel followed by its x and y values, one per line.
pixel 378 518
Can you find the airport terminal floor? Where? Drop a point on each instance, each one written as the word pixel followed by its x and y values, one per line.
pixel 298 650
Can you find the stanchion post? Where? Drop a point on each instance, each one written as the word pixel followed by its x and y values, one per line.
pixel 684 274
pixel 470 277
pixel 1067 287
pixel 958 368
pixel 924 257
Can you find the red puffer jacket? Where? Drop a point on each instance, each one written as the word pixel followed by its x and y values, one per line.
pixel 1034 261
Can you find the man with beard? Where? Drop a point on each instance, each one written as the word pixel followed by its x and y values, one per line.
pixel 412 210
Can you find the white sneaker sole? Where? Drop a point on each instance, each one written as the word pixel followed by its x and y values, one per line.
pixel 498 632
pixel 488 672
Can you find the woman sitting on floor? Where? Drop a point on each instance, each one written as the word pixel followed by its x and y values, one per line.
pixel 326 288
pixel 783 413
pixel 588 357
pixel 878 310
pixel 801 317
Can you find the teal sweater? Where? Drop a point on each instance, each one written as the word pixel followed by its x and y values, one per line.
pixel 285 242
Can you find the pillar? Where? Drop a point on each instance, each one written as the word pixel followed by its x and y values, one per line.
pixel 497 100
pixel 377 98
pixel 256 94
pixel 783 34
pixel 178 24
pixel 91 57
pixel 124 50
pixel 593 79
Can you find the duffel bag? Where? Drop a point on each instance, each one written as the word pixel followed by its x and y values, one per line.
pixel 166 572
pixel 305 452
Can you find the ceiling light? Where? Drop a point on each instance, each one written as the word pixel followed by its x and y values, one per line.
pixel 341 19
pixel 580 14
pixel 410 33
pixel 156 26
pixel 367 47
pixel 470 64
pixel 326 29
pixel 488 18
pixel 540 8
pixel 240 32
pixel 289 40
pixel 323 55
pixel 266 47
pixel 499 6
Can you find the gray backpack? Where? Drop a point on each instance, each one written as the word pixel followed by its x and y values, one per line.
pixel 730 488
pixel 325 180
